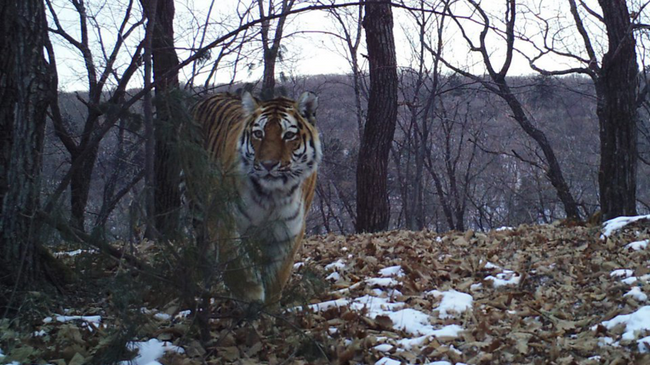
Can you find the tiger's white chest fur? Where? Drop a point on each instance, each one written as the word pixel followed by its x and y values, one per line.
pixel 280 214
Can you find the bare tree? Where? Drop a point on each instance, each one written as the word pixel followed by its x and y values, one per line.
pixel 616 88
pixel 373 206
pixel 271 42
pixel 168 103
pixel 83 148
pixel 616 82
pixel 498 84
pixel 24 100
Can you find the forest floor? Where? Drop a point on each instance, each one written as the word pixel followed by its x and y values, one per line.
pixel 547 294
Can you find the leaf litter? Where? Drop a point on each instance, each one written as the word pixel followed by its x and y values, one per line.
pixel 534 294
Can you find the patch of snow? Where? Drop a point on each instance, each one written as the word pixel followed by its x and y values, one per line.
pixel 638 245
pixel 630 280
pixel 91 319
pixel 637 294
pixel 338 264
pixel 450 331
pixel 621 272
pixel 335 276
pixel 507 277
pixel 72 253
pixel 375 306
pixel 615 224
pixel 162 316
pixel 644 345
pixel 337 303
pixel 387 293
pixel 387 361
pixel 504 228
pixel 40 333
pixel 489 266
pixel 384 347
pixel 298 265
pixel 634 322
pixel 183 314
pixel 455 350
pixel 150 351
pixel 392 271
pixel 474 287
pixel 453 302
pixel 332 330
pixel 347 290
pixel 607 341
pixel 382 282
pixel 409 320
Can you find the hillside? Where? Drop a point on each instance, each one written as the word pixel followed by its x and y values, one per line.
pixel 562 294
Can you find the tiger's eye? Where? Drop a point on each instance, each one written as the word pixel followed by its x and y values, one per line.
pixel 258 134
pixel 289 135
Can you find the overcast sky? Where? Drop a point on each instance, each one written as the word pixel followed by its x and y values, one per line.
pixel 311 47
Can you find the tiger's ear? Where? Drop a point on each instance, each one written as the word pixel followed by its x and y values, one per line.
pixel 307 105
pixel 249 103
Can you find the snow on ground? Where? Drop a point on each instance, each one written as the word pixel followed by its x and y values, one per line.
pixel 415 324
pixel 73 253
pixel 452 304
pixel 637 294
pixel 337 265
pixel 638 245
pixel 150 351
pixel 499 297
pixel 507 277
pixel 95 320
pixel 437 314
pixel 634 323
pixel 392 271
pixel 644 345
pixel 616 224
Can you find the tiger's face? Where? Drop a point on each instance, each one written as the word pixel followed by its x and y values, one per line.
pixel 279 146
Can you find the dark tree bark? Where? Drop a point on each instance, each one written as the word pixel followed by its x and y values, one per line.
pixel 80 182
pixel 271 47
pixel 616 88
pixel 373 207
pixel 23 105
pixel 167 199
pixel 615 79
pixel 150 7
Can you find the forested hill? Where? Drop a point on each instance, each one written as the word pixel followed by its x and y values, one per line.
pixel 473 169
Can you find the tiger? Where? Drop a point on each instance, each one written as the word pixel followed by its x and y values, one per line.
pixel 271 151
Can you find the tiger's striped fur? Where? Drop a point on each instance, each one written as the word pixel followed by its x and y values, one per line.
pixel 271 151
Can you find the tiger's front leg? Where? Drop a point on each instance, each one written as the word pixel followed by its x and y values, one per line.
pixel 242 274
pixel 278 264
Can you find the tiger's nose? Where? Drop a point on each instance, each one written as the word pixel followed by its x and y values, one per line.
pixel 269 164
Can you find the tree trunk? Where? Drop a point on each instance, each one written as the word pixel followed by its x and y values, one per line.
pixel 166 166
pixel 373 206
pixel 150 7
pixel 268 79
pixel 80 186
pixel 23 105
pixel 616 88
pixel 553 171
pixel 271 47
